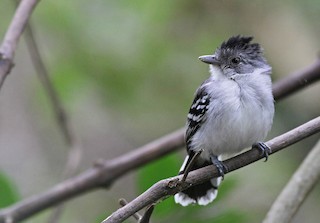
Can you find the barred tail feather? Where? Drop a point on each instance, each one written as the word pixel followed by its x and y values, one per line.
pixel 201 194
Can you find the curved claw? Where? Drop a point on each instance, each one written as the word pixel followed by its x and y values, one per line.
pixel 220 166
pixel 264 148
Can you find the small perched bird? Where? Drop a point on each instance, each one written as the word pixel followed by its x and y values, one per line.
pixel 232 110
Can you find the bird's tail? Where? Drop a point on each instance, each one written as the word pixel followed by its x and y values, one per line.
pixel 201 194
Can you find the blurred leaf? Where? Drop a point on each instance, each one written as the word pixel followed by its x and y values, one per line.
pixel 158 170
pixel 231 216
pixel 69 81
pixel 197 213
pixel 8 192
pixel 226 186
pixel 165 168
pixel 101 217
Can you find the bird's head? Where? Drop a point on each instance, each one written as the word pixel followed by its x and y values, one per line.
pixel 238 56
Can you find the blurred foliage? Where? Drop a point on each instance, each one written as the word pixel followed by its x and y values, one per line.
pixel 230 216
pixel 167 209
pixel 140 65
pixel 8 191
pixel 153 172
pixel 138 61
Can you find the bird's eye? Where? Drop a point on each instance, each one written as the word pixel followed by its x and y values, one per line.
pixel 235 60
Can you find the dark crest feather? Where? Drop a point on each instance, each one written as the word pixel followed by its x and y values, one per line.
pixel 241 43
pixel 237 41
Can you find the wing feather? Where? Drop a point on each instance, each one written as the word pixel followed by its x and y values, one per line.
pixel 197 114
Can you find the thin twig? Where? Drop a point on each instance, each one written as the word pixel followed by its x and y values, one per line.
pixel 297 189
pixel 75 151
pixel 297 80
pixel 100 175
pixel 170 186
pixel 43 75
pixel 140 219
pixel 147 214
pixel 104 173
pixel 12 36
pixel 123 203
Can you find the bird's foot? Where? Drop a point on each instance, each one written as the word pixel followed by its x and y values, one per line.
pixel 222 169
pixel 264 148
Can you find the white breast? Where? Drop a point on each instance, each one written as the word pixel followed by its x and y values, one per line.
pixel 238 116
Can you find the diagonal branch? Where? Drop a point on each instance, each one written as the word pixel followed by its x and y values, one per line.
pixel 62 119
pixel 103 174
pixel 12 36
pixel 106 172
pixel 297 189
pixel 297 80
pixel 170 186
pixel 43 75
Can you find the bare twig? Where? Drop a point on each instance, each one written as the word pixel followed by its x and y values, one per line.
pixel 75 151
pixel 297 80
pixel 147 215
pixel 140 219
pixel 123 203
pixel 170 186
pixel 104 173
pixel 62 120
pixel 297 189
pixel 12 37
pixel 108 171
pixel 43 75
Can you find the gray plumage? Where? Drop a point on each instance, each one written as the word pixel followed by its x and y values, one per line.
pixel 232 110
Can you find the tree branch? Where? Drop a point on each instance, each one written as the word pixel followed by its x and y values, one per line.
pixel 170 186
pixel 104 173
pixel 43 75
pixel 62 119
pixel 297 80
pixel 12 36
pixel 136 215
pixel 297 189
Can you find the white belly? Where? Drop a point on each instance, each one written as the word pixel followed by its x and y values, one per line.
pixel 234 123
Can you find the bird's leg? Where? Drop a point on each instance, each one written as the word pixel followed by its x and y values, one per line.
pixel 264 148
pixel 222 169
pixel 190 164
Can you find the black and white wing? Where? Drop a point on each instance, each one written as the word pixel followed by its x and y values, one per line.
pixel 197 113
pixel 205 192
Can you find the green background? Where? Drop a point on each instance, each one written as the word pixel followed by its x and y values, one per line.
pixel 126 71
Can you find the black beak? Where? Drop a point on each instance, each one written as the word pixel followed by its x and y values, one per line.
pixel 210 59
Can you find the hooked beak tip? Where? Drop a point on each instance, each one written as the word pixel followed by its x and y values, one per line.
pixel 209 59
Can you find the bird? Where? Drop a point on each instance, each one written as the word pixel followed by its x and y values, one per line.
pixel 232 110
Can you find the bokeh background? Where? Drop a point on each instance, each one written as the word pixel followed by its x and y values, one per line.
pixel 126 71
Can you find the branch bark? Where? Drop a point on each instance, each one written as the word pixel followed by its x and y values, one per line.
pixel 170 186
pixel 12 36
pixel 297 80
pixel 106 172
pixel 297 189
pixel 103 174
pixel 62 119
